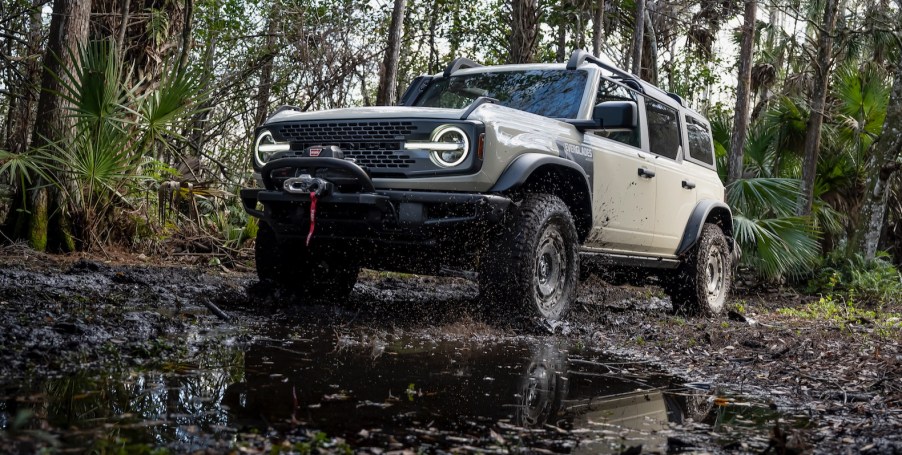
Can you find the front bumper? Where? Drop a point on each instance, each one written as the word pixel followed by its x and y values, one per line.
pixel 370 214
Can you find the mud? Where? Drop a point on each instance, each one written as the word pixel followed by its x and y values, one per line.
pixel 123 356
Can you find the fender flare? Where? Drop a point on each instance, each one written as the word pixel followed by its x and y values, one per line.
pixel 700 214
pixel 577 194
pixel 519 171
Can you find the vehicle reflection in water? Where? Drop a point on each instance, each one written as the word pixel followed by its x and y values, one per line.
pixel 412 392
pixel 458 388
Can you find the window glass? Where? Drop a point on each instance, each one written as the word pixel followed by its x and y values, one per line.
pixel 610 91
pixel 663 129
pixel 551 93
pixel 699 141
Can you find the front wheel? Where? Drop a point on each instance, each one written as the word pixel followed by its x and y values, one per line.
pixel 312 274
pixel 533 263
pixel 702 282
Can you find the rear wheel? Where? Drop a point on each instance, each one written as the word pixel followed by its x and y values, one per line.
pixel 313 274
pixel 533 263
pixel 702 283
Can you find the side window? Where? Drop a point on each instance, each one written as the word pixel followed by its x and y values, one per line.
pixel 663 129
pixel 610 91
pixel 699 141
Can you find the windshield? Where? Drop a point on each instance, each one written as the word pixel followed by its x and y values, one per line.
pixel 552 93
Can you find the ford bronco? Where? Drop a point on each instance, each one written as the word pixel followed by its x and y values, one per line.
pixel 522 177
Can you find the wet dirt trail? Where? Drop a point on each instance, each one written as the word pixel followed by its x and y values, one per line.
pixel 107 358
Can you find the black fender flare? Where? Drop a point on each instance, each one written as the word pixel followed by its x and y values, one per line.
pixel 519 171
pixel 578 197
pixel 703 210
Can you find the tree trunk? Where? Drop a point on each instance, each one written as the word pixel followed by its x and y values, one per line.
pixel 196 137
pixel 598 28
pixel 638 35
pixel 187 29
pixel 650 54
pixel 68 30
pixel 884 162
pixel 120 41
pixel 524 30
pixel 561 41
pixel 388 84
pixel 579 25
pixel 818 103
pixel 743 89
pixel 145 52
pixel 22 112
pixel 433 52
pixel 266 71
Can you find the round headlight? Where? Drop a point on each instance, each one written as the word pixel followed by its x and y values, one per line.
pixel 265 146
pixel 450 156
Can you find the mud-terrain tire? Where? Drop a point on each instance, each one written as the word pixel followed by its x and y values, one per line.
pixel 532 265
pixel 311 274
pixel 702 283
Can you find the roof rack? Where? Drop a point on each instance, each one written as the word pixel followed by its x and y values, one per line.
pixel 459 64
pixel 579 56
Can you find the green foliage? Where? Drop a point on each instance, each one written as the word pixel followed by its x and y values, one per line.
pixel 844 312
pixel 24 168
pixel 116 130
pixel 873 282
pixel 862 93
pixel 774 241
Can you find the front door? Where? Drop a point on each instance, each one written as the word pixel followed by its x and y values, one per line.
pixel 623 195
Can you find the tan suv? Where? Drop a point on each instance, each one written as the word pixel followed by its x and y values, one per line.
pixel 515 176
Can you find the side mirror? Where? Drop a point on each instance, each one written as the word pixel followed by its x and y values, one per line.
pixel 616 115
pixel 414 89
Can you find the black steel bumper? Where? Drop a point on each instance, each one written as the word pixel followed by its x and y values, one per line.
pixel 413 217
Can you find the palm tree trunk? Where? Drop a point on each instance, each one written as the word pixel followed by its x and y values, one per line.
pixel 885 152
pixel 388 84
pixel 818 104
pixel 743 87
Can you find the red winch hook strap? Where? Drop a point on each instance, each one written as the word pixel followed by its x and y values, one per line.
pixel 312 216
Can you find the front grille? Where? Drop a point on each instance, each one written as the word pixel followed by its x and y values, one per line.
pixel 373 144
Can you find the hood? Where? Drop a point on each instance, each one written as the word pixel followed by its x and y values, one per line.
pixel 377 112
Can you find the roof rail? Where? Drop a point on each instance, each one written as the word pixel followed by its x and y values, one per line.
pixel 579 56
pixel 677 98
pixel 459 64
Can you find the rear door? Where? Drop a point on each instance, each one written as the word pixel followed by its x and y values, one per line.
pixel 675 198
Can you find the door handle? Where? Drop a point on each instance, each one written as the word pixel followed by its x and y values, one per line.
pixel 647 173
pixel 688 185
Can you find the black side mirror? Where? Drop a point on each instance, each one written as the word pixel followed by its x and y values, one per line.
pixel 616 115
pixel 414 89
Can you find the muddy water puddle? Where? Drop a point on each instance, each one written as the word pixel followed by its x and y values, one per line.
pixel 331 391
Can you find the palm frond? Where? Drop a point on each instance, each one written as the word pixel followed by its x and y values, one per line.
pixel 777 247
pixel 764 197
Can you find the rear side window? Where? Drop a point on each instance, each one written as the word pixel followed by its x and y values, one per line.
pixel 663 129
pixel 700 148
